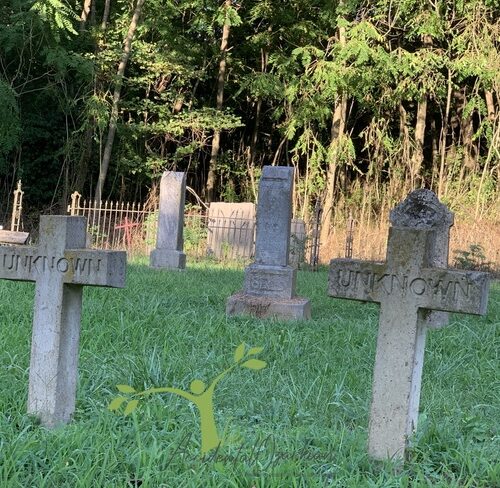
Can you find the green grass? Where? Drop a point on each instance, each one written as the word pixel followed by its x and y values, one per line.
pixel 308 408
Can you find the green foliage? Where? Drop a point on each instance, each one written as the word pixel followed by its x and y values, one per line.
pixel 10 124
pixel 228 16
pixel 472 259
pixel 195 230
pixel 58 16
pixel 203 120
pixel 150 228
pixel 288 66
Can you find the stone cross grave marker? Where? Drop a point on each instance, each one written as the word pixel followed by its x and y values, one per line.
pixel 60 267
pixel 269 286
pixel 169 242
pixel 407 286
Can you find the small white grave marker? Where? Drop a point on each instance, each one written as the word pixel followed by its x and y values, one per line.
pixel 407 286
pixel 60 266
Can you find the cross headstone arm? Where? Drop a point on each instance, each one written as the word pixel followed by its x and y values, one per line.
pixel 451 290
pixel 94 267
pixel 16 263
pixel 75 266
pixel 357 280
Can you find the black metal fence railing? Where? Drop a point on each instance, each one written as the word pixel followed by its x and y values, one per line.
pixel 216 233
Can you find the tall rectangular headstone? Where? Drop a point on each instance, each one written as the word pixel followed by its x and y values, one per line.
pixel 408 286
pixel 60 265
pixel 274 216
pixel 269 285
pixel 169 242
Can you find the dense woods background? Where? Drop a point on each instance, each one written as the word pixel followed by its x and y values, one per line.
pixel 365 99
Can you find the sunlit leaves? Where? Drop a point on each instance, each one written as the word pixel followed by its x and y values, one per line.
pixel 228 16
pixel 57 14
pixel 198 121
pixel 288 65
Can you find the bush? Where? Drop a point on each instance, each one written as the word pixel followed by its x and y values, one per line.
pixel 472 259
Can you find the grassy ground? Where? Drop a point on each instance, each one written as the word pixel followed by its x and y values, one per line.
pixel 300 422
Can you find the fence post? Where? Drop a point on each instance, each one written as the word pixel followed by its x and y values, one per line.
pixel 349 237
pixel 75 203
pixel 315 236
pixel 16 208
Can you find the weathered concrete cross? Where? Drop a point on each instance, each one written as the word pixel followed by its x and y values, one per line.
pixel 60 266
pixel 407 286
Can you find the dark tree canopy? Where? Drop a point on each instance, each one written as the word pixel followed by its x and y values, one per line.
pixel 366 99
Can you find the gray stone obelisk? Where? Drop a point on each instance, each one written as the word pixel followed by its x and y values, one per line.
pixel 411 283
pixel 169 242
pixel 269 285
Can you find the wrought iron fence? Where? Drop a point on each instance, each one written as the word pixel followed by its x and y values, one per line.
pixel 114 225
pixel 216 233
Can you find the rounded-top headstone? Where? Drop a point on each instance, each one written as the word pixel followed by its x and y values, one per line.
pixel 421 210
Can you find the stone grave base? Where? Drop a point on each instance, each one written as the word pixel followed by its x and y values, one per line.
pixel 270 281
pixel 166 258
pixel 262 307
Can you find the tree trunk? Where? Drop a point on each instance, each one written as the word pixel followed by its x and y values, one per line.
pixel 444 133
pixel 336 133
pixel 398 189
pixel 467 130
pixel 490 104
pixel 468 144
pixel 418 151
pixel 255 131
pixel 435 152
pixel 493 151
pixel 127 48
pixel 221 78
pixel 212 167
pixel 85 156
pixel 252 151
pixel 105 15
pixel 84 14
